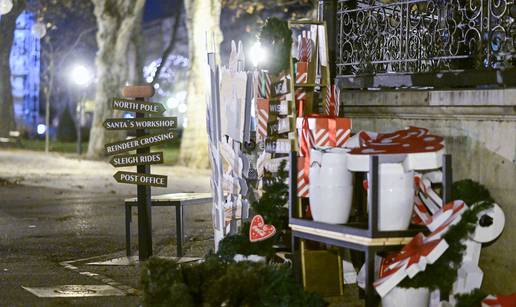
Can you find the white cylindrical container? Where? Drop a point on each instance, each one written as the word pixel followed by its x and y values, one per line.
pixel 407 297
pixel 331 186
pixel 396 197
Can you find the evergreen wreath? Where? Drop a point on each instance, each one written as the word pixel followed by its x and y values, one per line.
pixel 276 37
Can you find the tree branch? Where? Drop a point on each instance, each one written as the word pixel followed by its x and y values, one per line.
pixel 171 45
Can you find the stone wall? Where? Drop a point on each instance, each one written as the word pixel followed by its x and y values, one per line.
pixel 479 127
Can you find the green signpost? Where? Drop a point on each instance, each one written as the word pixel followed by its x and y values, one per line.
pixel 140 123
pixel 143 157
pixel 141 179
pixel 139 142
pixel 133 160
pixel 141 106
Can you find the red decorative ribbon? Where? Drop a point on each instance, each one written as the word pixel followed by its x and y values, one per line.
pixel 413 251
pixel 410 140
pixel 307 138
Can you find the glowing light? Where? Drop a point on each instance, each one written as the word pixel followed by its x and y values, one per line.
pixel 156 85
pixel 182 108
pixel 81 75
pixel 257 54
pixel 185 122
pixel 41 129
pixel 172 102
pixel 5 6
pixel 39 30
pixel 148 79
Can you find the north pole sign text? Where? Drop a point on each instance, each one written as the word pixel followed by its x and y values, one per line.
pixel 137 106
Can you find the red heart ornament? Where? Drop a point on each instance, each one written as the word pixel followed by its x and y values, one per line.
pixel 260 231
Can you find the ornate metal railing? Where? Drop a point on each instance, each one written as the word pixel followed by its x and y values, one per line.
pixel 413 36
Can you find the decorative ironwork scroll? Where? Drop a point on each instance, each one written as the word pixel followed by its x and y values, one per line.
pixel 408 36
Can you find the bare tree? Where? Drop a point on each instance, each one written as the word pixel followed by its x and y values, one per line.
pixel 202 20
pixel 116 22
pixel 7 27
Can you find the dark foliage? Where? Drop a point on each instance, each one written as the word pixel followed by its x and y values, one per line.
pixel 470 191
pixel 276 37
pixel 218 283
pixel 443 273
pixel 66 130
pixel 472 299
pixel 272 207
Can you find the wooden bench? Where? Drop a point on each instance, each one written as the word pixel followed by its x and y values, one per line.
pixel 14 138
pixel 177 200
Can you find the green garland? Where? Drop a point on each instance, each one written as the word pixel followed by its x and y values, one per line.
pixel 443 273
pixel 472 299
pixel 276 38
pixel 271 206
pixel 215 282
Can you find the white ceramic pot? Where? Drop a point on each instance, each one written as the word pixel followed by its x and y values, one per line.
pixel 331 186
pixel 396 201
pixel 407 297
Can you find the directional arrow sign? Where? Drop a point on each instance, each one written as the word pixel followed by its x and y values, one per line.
pixel 141 179
pixel 138 159
pixel 137 106
pixel 143 141
pixel 140 123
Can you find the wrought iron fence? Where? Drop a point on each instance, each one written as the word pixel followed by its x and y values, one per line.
pixel 376 36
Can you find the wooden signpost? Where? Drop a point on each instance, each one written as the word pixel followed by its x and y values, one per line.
pixel 138 106
pixel 140 123
pixel 143 179
pixel 133 101
pixel 133 160
pixel 138 142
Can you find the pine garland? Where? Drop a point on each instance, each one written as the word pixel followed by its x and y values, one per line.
pixel 443 273
pixel 472 299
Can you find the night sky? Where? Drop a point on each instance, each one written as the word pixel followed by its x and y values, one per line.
pixel 155 9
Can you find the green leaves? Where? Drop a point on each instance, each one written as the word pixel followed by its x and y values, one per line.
pixel 215 282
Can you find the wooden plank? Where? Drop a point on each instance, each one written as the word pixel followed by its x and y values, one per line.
pixel 140 123
pixel 131 105
pixel 137 159
pixel 138 91
pixel 351 238
pixel 141 179
pixel 139 142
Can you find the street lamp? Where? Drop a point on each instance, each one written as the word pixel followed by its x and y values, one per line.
pixel 5 6
pixel 257 54
pixel 82 77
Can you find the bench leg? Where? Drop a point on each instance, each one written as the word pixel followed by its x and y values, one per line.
pixel 179 230
pixel 128 220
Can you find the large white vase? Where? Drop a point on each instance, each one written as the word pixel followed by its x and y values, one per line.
pixel 331 186
pixel 396 198
pixel 407 297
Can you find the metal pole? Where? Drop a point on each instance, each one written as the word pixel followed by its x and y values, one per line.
pixel 47 124
pixel 78 126
pixel 144 204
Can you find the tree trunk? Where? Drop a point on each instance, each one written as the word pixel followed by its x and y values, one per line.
pixel 202 21
pixel 115 21
pixel 7 27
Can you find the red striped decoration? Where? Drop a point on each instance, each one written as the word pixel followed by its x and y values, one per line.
pixel 262 117
pixel 302 178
